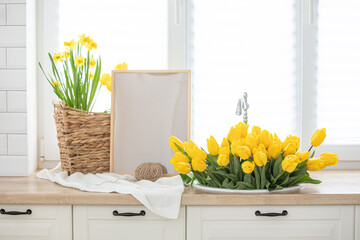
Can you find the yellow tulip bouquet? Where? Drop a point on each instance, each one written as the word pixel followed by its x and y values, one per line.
pixel 76 80
pixel 256 160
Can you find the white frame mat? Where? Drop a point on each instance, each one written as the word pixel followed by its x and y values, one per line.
pixel 147 107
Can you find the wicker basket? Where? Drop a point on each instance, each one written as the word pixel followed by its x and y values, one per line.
pixel 84 139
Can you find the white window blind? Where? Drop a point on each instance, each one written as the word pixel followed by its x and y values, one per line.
pixel 338 102
pixel 236 46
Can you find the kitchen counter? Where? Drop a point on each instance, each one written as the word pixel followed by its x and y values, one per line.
pixel 338 187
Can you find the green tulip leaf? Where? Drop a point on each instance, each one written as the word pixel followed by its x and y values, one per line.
pixel 244 185
pixel 257 176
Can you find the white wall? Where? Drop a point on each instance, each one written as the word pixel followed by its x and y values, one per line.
pixel 13 86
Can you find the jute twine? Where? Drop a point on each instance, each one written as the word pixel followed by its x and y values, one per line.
pixel 150 171
pixel 83 139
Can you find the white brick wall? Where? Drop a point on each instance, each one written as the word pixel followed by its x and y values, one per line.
pixel 13 137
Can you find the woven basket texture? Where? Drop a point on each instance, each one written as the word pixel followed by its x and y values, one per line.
pixel 83 139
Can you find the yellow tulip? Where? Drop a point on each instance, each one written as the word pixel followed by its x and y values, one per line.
pixel 291 139
pixel 274 150
pixel 330 159
pixel 303 155
pixel 79 60
pixel 179 157
pixel 121 66
pixel 223 160
pixel 71 44
pixel 290 163
pixel 197 153
pixel 224 151
pixel 188 146
pixel 182 167
pixel 213 146
pixel 243 128
pixel 266 138
pixel 256 130
pixel 243 152
pixel 248 167
pixel 57 57
pixel 290 149
pixel 172 141
pixel 318 137
pixel 234 147
pixel 92 63
pixel 251 140
pixel 105 78
pixel 234 134
pixel 276 139
pixel 260 158
pixel 225 143
pixel 198 165
pixel 315 164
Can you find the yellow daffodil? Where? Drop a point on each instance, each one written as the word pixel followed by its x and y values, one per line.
pixel 91 45
pixel 213 146
pixel 83 39
pixel 79 60
pixel 182 167
pixel 92 62
pixel 121 66
pixel 56 84
pixel 179 157
pixel 71 44
pixel 223 160
pixel 315 164
pixel 318 137
pixel 290 163
pixel 303 155
pixel 330 159
pixel 91 75
pixel 66 53
pixel 173 141
pixel 198 165
pixel 105 78
pixel 57 57
pixel 248 167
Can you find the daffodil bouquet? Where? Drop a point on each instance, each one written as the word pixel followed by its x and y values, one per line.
pixel 256 160
pixel 75 73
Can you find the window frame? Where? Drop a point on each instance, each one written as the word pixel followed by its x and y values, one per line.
pixel 179 57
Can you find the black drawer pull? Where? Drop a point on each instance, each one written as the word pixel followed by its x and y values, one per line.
pixel 284 213
pixel 28 212
pixel 129 214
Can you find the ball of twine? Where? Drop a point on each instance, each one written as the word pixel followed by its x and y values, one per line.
pixel 150 171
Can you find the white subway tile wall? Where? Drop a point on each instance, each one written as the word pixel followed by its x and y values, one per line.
pixel 13 129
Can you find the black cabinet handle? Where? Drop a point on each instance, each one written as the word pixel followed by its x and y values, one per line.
pixel 28 212
pixel 129 214
pixel 284 213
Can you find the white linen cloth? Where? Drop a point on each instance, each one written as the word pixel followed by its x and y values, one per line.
pixel 162 197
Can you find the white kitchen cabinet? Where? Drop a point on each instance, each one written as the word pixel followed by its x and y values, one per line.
pixel 98 222
pixel 45 222
pixel 240 222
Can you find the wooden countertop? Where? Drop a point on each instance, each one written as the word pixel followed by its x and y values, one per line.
pixel 337 187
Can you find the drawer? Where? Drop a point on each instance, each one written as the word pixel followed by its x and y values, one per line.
pixel 300 222
pixel 99 222
pixel 44 222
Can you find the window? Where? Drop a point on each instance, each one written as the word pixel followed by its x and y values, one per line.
pixel 297 60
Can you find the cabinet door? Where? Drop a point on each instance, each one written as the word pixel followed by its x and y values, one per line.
pixel 357 222
pixel 44 222
pixel 98 222
pixel 301 222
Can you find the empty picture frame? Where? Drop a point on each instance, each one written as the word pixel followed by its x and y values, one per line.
pixel 147 107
